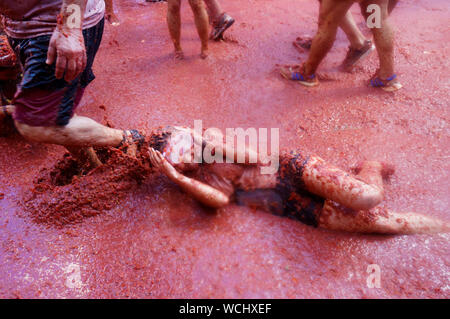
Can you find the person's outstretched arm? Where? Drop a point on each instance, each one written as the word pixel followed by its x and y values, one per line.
pixel 204 193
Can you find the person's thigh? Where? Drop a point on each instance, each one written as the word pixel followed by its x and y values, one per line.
pixel 331 12
pixel 383 4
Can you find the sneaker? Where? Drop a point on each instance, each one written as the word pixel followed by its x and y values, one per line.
pixel 224 23
pixel 354 56
pixel 391 84
pixel 296 75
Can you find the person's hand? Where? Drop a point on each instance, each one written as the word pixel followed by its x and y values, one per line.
pixel 112 18
pixel 161 164
pixel 68 50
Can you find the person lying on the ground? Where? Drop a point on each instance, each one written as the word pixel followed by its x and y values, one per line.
pixel 220 20
pixel 56 49
pixel 304 188
pixel 331 15
pixel 110 14
pixel 201 23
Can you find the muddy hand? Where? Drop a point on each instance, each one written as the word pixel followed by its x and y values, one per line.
pixel 161 164
pixel 68 51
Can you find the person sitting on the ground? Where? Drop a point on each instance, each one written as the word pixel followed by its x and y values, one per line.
pixel 56 42
pixel 334 13
pixel 304 188
pixel 201 23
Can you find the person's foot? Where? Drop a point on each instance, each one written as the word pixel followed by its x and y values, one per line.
pixel 384 169
pixel 355 55
pixel 390 84
pixel 132 141
pixel 297 74
pixel 179 55
pixel 112 19
pixel 204 54
pixel 225 21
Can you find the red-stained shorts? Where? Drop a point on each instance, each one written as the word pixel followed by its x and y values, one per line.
pixel 41 98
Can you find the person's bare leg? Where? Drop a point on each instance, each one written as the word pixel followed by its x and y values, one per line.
pixel 348 26
pixel 174 24
pixel 330 182
pixel 392 5
pixel 201 22
pixel 377 220
pixel 85 155
pixel 80 131
pixel 351 30
pixel 214 10
pixel 383 37
pixel 331 15
pixel 77 136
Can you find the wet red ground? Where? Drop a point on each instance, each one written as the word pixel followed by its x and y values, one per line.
pixel 156 242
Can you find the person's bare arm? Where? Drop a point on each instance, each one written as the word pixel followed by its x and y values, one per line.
pixel 66 46
pixel 204 193
pixel 109 13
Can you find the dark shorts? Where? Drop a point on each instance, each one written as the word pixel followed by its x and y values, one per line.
pixel 289 198
pixel 297 202
pixel 41 98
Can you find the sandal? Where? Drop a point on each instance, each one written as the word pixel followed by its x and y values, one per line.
pixel 224 23
pixel 391 84
pixel 289 74
pixel 131 142
pixel 356 55
pixel 131 137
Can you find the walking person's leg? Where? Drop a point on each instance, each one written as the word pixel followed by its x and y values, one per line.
pixel 201 23
pixel 220 20
pixel 384 41
pixel 331 14
pixel 174 24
